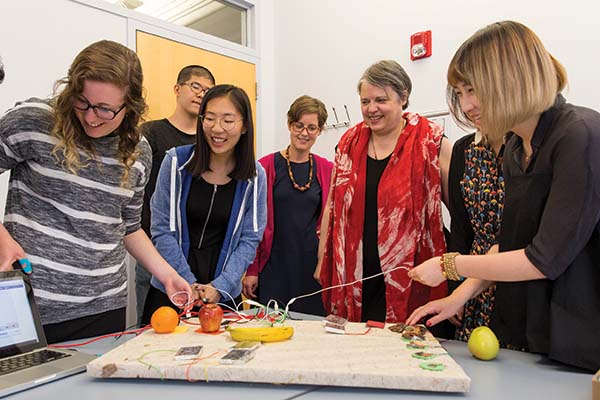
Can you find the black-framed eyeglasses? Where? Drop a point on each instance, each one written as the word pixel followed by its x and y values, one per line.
pixel 298 127
pixel 196 87
pixel 100 111
pixel 227 122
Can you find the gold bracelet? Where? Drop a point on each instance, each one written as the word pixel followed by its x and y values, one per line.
pixel 449 266
pixel 451 262
pixel 442 268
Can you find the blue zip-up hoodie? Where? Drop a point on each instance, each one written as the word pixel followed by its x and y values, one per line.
pixel 170 232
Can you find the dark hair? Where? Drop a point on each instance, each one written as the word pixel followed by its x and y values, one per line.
pixel 187 72
pixel 307 105
pixel 245 161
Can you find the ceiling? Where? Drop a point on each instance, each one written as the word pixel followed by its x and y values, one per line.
pixel 180 12
pixel 208 16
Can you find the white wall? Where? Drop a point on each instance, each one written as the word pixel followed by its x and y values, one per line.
pixel 267 89
pixel 322 48
pixel 38 41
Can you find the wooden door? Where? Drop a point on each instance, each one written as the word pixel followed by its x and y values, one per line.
pixel 162 59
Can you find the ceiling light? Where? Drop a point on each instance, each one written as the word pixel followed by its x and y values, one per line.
pixel 130 4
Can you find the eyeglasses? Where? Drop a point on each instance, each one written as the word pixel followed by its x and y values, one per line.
pixel 196 87
pixel 100 111
pixel 298 127
pixel 226 122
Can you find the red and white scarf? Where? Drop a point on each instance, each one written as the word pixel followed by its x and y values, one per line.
pixel 410 220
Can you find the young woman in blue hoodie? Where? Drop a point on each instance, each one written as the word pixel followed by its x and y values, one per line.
pixel 209 206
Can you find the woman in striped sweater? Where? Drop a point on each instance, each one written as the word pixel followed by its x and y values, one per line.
pixel 78 170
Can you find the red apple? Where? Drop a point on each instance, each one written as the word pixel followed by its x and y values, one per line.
pixel 210 317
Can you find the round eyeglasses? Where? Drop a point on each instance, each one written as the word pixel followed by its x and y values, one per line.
pixel 227 122
pixel 101 112
pixel 196 87
pixel 298 127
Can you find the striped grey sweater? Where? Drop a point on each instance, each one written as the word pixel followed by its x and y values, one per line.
pixel 70 226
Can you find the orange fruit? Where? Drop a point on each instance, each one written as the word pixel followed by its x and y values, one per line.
pixel 164 320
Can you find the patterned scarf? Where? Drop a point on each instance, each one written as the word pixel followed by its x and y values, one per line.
pixel 410 220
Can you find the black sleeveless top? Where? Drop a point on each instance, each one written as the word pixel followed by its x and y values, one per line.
pixel 289 271
pixel 373 290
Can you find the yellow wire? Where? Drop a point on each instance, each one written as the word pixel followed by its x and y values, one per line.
pixel 150 366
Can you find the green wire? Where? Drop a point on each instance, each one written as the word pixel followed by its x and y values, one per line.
pixel 150 366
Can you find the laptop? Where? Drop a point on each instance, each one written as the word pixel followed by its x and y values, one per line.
pixel 25 359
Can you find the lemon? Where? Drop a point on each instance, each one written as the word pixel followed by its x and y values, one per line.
pixel 483 343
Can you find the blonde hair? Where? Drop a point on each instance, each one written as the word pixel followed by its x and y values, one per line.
pixel 512 73
pixel 103 61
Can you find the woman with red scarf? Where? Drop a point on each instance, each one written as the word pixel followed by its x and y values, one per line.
pixel 384 209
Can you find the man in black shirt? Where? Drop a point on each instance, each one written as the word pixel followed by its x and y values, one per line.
pixel 179 129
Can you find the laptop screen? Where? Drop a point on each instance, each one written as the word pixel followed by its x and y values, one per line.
pixel 20 327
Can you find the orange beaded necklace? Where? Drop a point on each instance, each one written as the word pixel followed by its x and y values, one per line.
pixel 291 174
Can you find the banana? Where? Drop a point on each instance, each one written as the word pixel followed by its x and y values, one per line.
pixel 261 334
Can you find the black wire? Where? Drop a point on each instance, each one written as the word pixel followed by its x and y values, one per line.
pixel 305 392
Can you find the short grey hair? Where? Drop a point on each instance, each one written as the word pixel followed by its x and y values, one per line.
pixel 388 73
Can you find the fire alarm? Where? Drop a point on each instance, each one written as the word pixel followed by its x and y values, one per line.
pixel 420 45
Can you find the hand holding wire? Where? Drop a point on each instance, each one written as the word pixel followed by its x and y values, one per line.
pixel 270 313
pixel 10 251
pixel 207 293
pixel 182 299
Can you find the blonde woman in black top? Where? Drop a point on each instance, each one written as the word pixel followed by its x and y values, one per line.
pixel 548 270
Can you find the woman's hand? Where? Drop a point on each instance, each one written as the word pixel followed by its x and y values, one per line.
pixel 178 290
pixel 317 273
pixel 443 309
pixel 208 293
pixel 457 319
pixel 249 285
pixel 10 250
pixel 428 273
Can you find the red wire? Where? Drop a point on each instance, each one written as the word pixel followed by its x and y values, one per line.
pixel 187 370
pixel 185 311
pixel 133 332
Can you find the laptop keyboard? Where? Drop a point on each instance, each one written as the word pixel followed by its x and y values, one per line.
pixel 24 361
